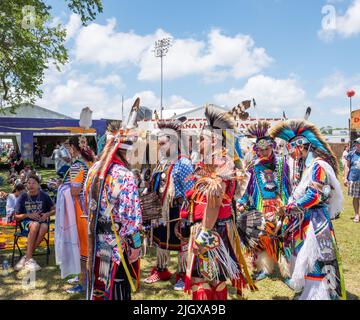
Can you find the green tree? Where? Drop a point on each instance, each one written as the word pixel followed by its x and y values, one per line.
pixel 29 43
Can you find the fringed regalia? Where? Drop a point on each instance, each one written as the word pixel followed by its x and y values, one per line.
pixel 170 181
pixel 115 220
pixel 267 190
pixel 308 234
pixel 214 254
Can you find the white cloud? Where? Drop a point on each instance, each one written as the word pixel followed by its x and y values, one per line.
pixel 337 85
pixel 74 94
pixel 149 99
pixel 340 111
pixel 70 91
pixel 102 44
pixel 176 102
pixel 73 26
pixel 112 80
pixel 271 95
pixel 220 56
pixel 346 25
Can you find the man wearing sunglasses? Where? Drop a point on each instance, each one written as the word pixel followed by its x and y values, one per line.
pixel 308 236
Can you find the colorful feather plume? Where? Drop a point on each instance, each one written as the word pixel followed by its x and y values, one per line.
pixel 259 129
pixel 288 130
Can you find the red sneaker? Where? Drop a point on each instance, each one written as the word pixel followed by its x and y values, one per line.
pixel 156 276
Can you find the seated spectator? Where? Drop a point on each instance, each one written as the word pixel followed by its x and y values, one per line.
pixel 27 171
pixel 13 176
pixel 19 163
pixel 33 210
pixel 11 201
pixel 35 173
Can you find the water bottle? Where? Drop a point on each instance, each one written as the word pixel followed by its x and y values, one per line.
pixel 5 267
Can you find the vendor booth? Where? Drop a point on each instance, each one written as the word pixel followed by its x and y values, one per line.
pixel 35 127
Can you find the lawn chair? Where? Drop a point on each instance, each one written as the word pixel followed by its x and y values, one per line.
pixel 21 233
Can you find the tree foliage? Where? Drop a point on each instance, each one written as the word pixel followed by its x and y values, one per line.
pixel 29 42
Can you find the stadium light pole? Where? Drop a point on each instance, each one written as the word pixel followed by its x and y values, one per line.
pixel 161 49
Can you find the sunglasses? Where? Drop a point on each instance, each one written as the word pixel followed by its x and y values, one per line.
pixel 299 142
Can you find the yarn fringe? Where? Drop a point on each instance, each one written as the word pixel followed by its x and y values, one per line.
pixel 305 260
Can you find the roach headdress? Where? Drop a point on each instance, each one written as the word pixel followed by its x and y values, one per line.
pixel 260 131
pixel 292 129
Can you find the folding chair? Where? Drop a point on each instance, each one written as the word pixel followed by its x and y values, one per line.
pixel 22 234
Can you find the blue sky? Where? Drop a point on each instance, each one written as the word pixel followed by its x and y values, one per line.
pixel 223 52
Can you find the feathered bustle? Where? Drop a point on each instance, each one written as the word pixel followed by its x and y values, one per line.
pixel 251 225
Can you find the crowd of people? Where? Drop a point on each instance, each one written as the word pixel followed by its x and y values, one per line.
pixel 274 204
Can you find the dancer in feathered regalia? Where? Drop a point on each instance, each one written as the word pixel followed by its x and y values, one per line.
pixel 308 234
pixel 169 181
pixel 114 221
pixel 267 190
pixel 214 247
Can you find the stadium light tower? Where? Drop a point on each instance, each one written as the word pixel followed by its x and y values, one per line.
pixel 161 49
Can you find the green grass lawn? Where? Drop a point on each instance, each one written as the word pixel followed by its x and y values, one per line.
pixel 49 286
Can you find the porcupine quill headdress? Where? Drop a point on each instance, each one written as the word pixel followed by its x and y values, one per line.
pixel 291 129
pixel 260 131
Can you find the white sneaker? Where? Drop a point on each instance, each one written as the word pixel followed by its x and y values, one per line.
pixel 180 285
pixel 20 264
pixel 73 280
pixel 31 265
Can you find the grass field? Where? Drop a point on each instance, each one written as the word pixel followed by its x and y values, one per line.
pixel 49 286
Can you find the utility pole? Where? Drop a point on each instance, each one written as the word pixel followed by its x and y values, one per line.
pixel 350 94
pixel 161 49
